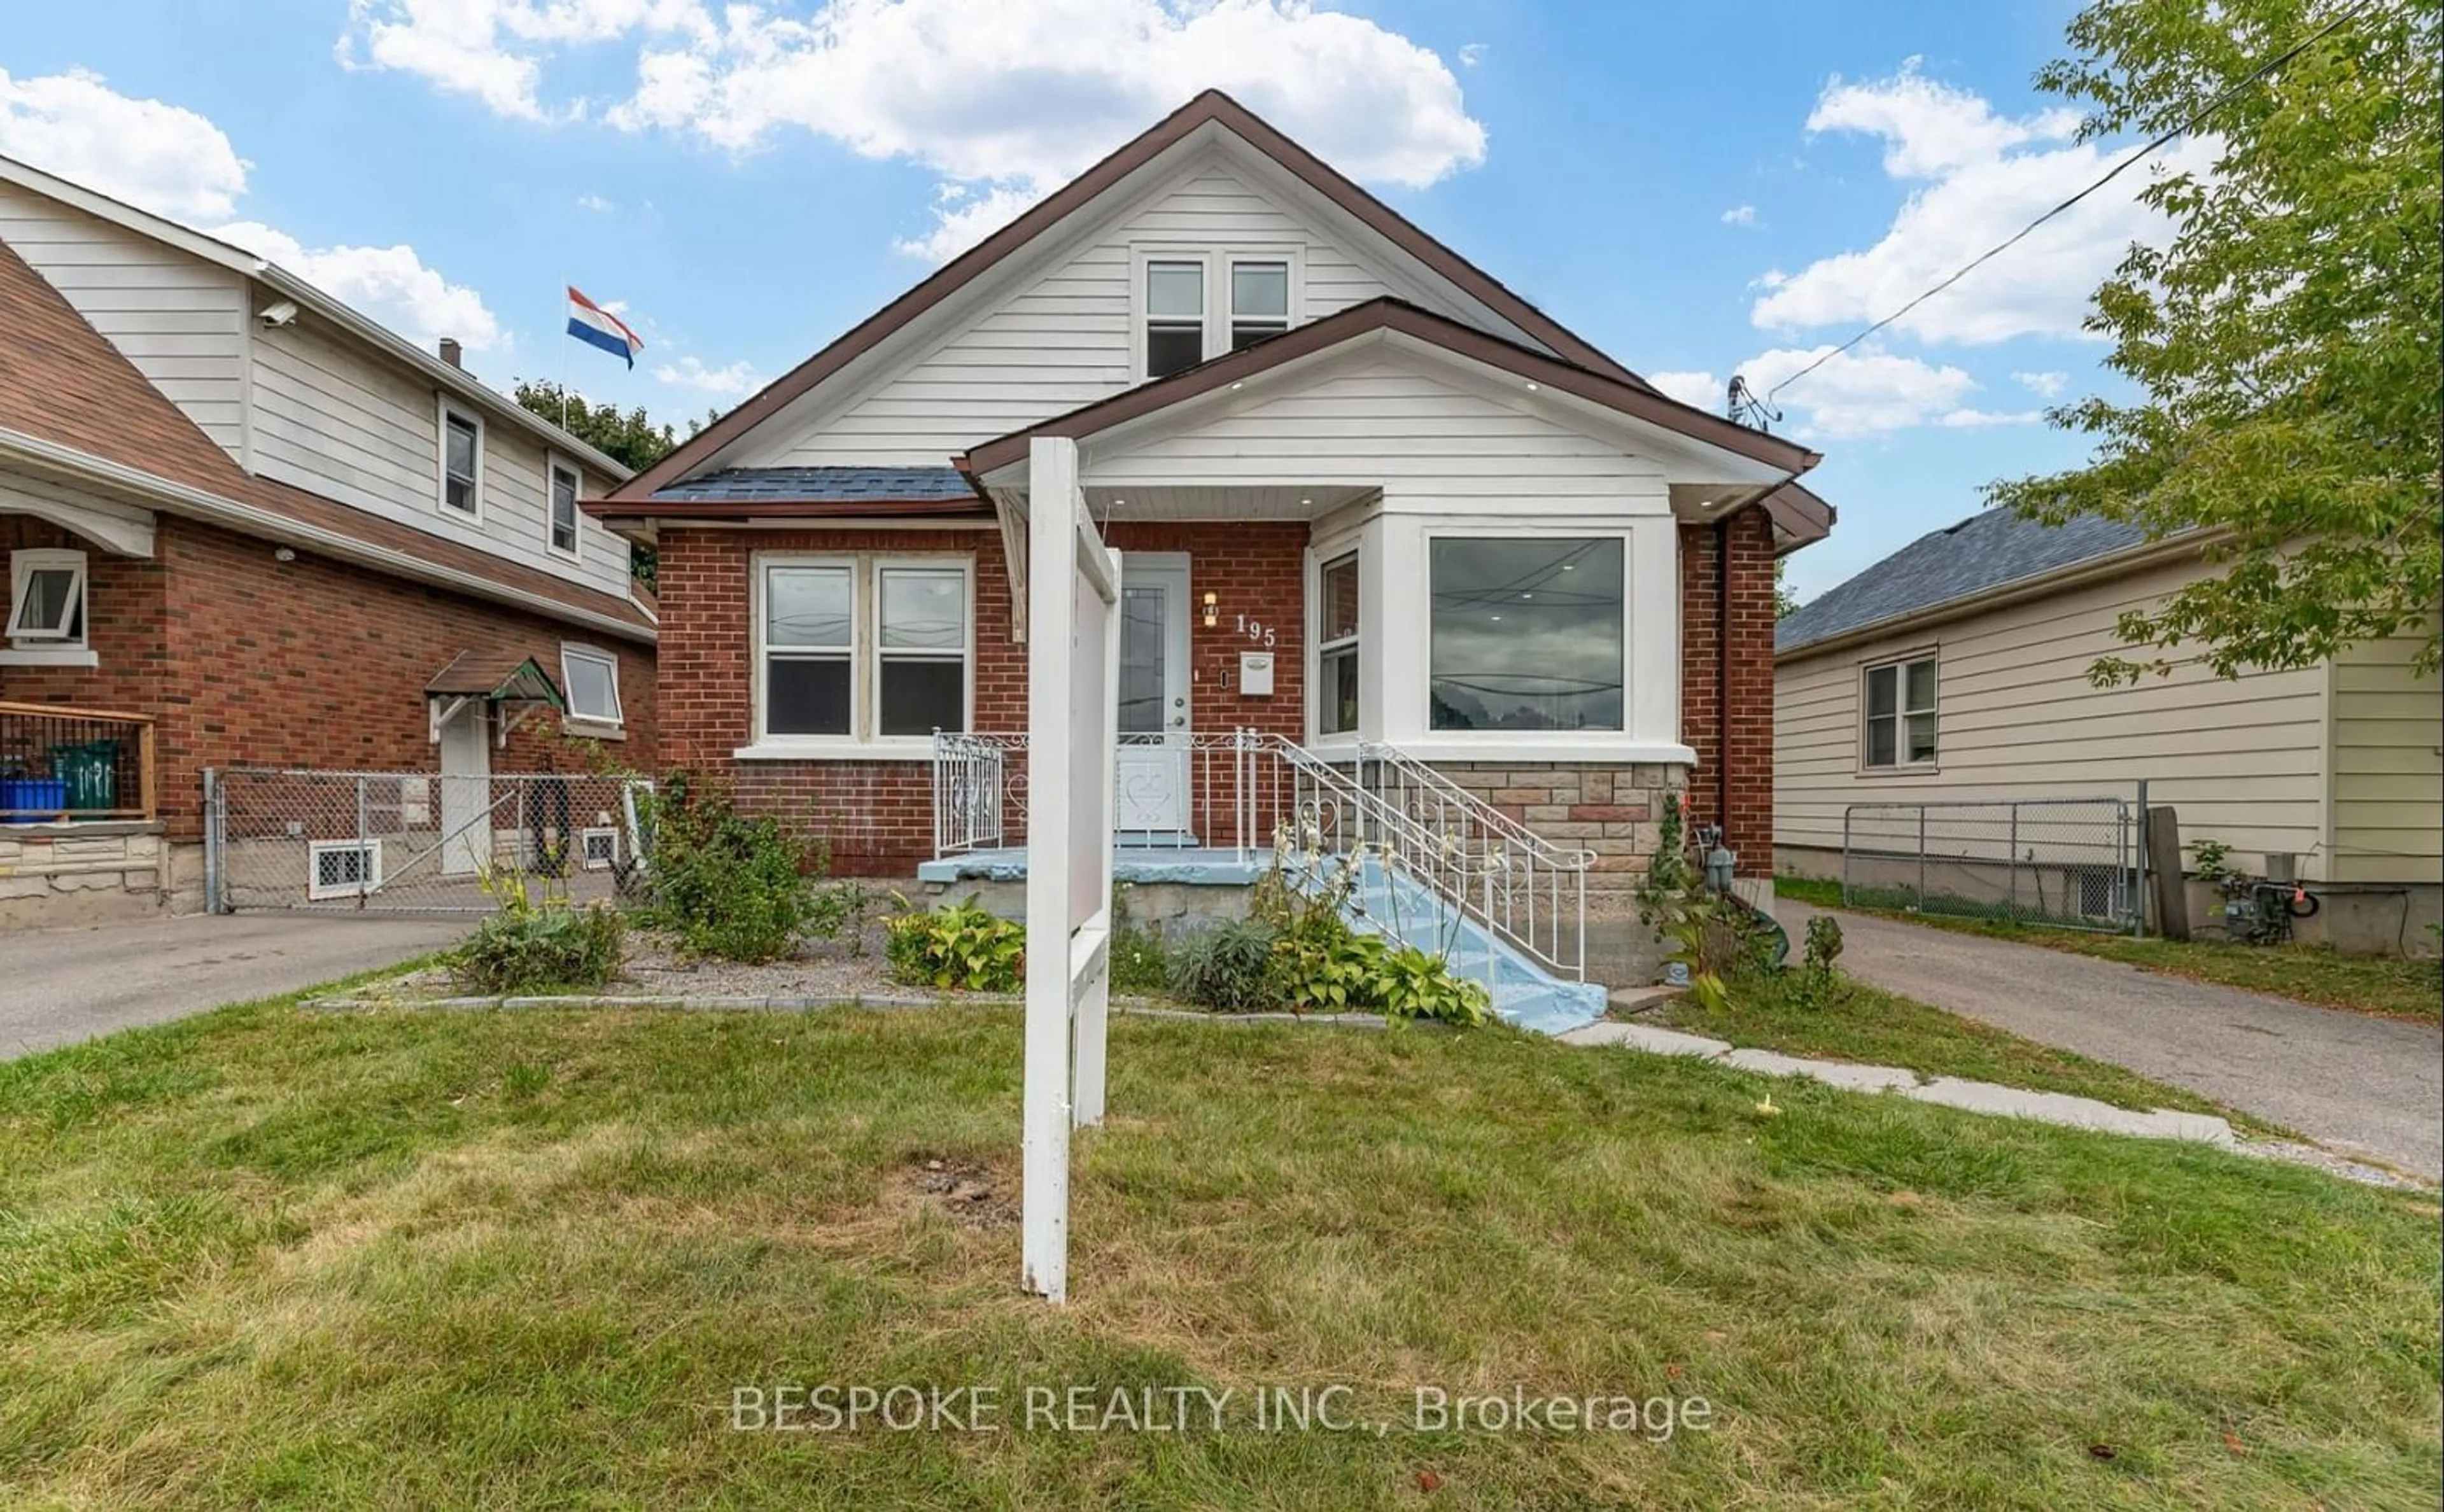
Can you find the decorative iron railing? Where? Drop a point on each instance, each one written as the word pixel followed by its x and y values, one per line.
pixel 62 763
pixel 1245 791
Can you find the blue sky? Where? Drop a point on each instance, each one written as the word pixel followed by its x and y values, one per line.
pixel 1699 190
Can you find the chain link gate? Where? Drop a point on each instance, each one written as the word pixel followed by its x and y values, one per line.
pixel 2074 862
pixel 415 842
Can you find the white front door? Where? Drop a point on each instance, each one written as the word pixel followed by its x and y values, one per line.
pixel 1155 755
pixel 466 791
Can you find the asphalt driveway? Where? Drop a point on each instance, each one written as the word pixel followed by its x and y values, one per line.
pixel 57 987
pixel 2363 1085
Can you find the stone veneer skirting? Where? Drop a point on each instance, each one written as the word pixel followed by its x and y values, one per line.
pixel 70 874
pixel 1613 809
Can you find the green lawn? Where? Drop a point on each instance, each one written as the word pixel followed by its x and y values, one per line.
pixel 2393 988
pixel 1883 1028
pixel 275 1258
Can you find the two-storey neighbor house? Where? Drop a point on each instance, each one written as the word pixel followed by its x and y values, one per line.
pixel 1365 497
pixel 246 526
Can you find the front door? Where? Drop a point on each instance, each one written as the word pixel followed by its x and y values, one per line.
pixel 466 791
pixel 1155 755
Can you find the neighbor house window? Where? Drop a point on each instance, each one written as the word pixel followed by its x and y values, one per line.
pixel 562 507
pixel 1174 335
pixel 46 600
pixel 462 462
pixel 1336 648
pixel 1527 633
pixel 865 648
pixel 1260 302
pixel 1901 713
pixel 591 680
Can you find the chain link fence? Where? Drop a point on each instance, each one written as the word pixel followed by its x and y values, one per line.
pixel 2070 861
pixel 414 842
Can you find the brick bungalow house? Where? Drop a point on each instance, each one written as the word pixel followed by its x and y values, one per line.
pixel 1367 499
pixel 246 526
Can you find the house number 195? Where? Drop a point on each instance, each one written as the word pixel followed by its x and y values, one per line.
pixel 1256 630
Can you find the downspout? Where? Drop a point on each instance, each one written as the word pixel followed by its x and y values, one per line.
pixel 1723 674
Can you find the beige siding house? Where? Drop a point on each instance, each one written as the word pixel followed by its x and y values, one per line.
pixel 1956 670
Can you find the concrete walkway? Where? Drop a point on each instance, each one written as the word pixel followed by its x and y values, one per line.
pixel 57 987
pixel 2366 1086
pixel 1952 1092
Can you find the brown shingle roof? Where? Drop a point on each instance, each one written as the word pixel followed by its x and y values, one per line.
pixel 487 674
pixel 62 382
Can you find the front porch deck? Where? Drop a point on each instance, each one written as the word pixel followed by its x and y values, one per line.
pixel 1190 866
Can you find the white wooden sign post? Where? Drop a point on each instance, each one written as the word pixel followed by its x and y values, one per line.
pixel 1073 657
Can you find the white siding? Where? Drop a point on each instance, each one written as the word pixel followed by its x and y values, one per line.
pixel 335 420
pixel 178 319
pixel 2241 760
pixel 1062 338
pixel 2388 766
pixel 1428 441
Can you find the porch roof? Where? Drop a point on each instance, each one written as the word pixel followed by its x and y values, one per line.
pixel 821 484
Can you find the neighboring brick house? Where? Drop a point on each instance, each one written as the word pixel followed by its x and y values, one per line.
pixel 245 526
pixel 1365 497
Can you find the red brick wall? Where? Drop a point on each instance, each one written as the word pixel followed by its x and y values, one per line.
pixel 878 817
pixel 250 661
pixel 1750 764
pixel 123 625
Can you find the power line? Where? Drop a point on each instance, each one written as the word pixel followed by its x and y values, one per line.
pixel 2225 97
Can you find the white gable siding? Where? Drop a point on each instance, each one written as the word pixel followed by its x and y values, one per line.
pixel 1428 442
pixel 2388 766
pixel 180 321
pixel 2016 717
pixel 336 420
pixel 1061 339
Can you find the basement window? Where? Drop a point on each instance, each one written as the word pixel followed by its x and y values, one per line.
pixel 337 869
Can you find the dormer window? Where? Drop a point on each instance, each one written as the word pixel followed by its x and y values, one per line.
pixel 1174 337
pixel 1260 302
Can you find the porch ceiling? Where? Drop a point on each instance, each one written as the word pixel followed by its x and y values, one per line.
pixel 1222 502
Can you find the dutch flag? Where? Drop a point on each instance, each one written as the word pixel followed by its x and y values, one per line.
pixel 596 326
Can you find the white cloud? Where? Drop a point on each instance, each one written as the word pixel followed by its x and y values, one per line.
pixel 175 163
pixel 390 283
pixel 2043 385
pixel 1740 216
pixel 162 157
pixel 1703 390
pixel 596 203
pixel 1471 54
pixel 1979 177
pixel 736 379
pixel 964 217
pixel 1867 392
pixel 1004 101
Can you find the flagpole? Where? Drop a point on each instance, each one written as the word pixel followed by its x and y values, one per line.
pixel 563 354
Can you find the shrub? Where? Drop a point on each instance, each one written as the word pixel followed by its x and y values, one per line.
pixel 1818 984
pixel 1227 967
pixel 537 943
pixel 958 946
pixel 841 908
pixel 726 885
pixel 1413 984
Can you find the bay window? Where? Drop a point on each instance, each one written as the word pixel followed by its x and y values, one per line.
pixel 1899 707
pixel 852 649
pixel 1526 633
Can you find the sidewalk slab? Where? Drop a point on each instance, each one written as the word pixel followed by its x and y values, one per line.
pixel 2076 1112
pixel 1842 1074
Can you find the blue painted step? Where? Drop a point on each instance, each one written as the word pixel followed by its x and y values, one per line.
pixel 1399 908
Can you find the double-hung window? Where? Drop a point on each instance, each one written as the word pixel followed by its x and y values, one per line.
pixel 1336 648
pixel 1260 301
pixel 1526 633
pixel 1899 707
pixel 854 650
pixel 561 506
pixel 591 680
pixel 462 462
pixel 46 600
pixel 1174 303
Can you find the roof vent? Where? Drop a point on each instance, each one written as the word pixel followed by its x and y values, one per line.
pixel 449 351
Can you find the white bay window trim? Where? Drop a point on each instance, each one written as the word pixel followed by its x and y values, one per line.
pixel 865 652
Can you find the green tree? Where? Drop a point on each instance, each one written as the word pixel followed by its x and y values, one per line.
pixel 2284 344
pixel 628 438
pixel 1786 598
